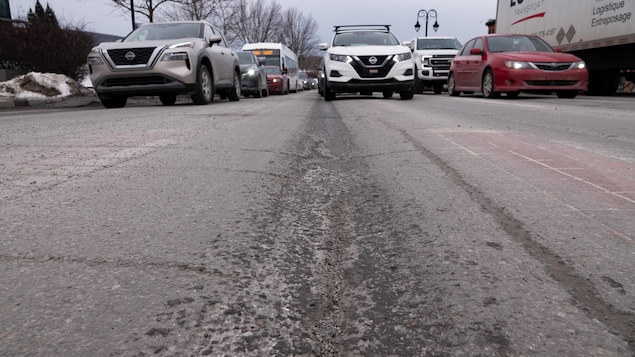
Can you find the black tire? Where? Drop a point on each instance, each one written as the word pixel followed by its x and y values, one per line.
pixel 258 93
pixel 387 94
pixel 512 94
pixel 234 92
pixel 328 95
pixel 418 84
pixel 406 95
pixel 451 86
pixel 204 87
pixel 437 88
pixel 487 85
pixel 568 94
pixel 114 102
pixel 167 99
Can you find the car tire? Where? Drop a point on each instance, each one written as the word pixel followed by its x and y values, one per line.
pixel 114 102
pixel 328 94
pixel 452 86
pixel 487 85
pixel 258 93
pixel 437 88
pixel 406 95
pixel 387 94
pixel 234 92
pixel 205 87
pixel 418 84
pixel 568 94
pixel 167 99
pixel 512 95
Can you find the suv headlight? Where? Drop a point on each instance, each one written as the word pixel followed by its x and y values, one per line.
pixel 402 57
pixel 95 60
pixel 340 58
pixel 175 56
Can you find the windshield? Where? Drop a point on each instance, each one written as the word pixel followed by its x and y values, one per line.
pixel 365 38
pixel 171 31
pixel 246 58
pixel 438 44
pixel 273 70
pixel 517 44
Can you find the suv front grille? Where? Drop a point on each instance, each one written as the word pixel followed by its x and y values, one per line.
pixel 380 69
pixel 142 55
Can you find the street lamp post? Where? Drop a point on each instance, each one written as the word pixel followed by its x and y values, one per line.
pixel 428 14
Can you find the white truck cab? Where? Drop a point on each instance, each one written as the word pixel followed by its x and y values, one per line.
pixel 433 57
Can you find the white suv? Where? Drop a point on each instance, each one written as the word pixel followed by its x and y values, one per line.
pixel 433 57
pixel 366 59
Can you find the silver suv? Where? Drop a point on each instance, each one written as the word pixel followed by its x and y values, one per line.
pixel 367 59
pixel 166 59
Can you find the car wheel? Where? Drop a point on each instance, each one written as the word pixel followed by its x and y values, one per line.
pixel 512 94
pixel 487 86
pixel 328 94
pixel 406 95
pixel 258 93
pixel 418 85
pixel 114 102
pixel 205 87
pixel 569 94
pixel 452 86
pixel 167 99
pixel 234 93
pixel 387 94
pixel 437 88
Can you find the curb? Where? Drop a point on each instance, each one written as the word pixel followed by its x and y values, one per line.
pixel 54 102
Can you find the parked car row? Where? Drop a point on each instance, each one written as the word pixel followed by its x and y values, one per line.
pixel 170 59
pixel 365 60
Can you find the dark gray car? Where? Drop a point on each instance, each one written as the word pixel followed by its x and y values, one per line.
pixel 253 77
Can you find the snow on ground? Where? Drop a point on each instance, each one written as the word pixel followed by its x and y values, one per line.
pixel 43 85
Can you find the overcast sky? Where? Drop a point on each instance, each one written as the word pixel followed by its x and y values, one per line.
pixel 463 19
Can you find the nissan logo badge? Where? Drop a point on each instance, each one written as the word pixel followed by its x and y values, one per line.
pixel 372 60
pixel 130 55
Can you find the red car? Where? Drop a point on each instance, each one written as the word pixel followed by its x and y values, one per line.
pixel 277 80
pixel 510 64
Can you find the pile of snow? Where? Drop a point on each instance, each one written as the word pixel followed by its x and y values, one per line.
pixel 43 85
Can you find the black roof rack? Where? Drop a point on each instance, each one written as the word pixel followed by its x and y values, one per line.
pixel 382 27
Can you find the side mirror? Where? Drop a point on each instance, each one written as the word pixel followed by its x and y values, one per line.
pixel 215 38
pixel 558 49
pixel 323 46
pixel 476 52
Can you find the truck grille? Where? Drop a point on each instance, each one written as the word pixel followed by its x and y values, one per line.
pixel 131 56
pixel 441 62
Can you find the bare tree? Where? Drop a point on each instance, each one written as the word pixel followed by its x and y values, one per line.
pixel 257 21
pixel 146 8
pixel 299 33
pixel 193 9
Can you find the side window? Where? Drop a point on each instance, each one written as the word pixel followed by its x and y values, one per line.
pixel 467 48
pixel 479 44
pixel 223 42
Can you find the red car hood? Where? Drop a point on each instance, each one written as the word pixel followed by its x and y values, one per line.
pixel 540 56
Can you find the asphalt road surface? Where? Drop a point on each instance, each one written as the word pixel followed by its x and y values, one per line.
pixel 289 225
